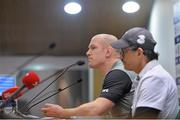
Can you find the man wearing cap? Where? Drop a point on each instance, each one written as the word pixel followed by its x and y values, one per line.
pixel 115 97
pixel 155 90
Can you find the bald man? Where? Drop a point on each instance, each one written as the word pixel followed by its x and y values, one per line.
pixel 115 97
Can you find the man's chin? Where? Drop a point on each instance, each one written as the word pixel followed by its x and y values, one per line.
pixel 126 68
pixel 91 65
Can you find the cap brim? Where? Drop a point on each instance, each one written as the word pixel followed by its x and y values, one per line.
pixel 120 44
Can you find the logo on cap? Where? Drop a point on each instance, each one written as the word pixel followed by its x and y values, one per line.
pixel 141 39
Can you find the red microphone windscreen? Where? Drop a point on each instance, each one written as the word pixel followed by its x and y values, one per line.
pixel 31 79
pixel 8 92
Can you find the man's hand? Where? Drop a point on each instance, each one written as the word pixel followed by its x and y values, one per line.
pixel 98 107
pixel 52 110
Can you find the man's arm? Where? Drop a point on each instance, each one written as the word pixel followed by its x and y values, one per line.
pixel 97 107
pixel 146 113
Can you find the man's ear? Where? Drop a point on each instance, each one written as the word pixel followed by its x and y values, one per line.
pixel 108 51
pixel 140 51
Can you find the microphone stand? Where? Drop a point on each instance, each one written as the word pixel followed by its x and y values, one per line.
pixel 51 46
pixel 60 75
pixel 56 92
pixel 19 114
pixel 10 114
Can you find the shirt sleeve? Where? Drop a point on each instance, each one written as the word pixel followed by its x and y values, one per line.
pixel 116 84
pixel 152 93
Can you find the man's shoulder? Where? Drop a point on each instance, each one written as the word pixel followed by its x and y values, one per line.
pixel 117 76
pixel 120 72
pixel 117 72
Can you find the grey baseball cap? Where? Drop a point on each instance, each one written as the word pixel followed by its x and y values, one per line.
pixel 136 36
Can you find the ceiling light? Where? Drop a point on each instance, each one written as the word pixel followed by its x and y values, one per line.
pixel 130 7
pixel 72 8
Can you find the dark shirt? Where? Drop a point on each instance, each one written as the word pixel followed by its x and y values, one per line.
pixel 116 87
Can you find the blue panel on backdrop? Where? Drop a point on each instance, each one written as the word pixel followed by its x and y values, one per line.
pixel 178 80
pixel 177 39
pixel 6 82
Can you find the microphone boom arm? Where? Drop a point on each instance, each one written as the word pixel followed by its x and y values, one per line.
pixel 51 46
pixel 60 75
pixel 59 90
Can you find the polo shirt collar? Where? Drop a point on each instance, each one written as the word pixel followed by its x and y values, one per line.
pixel 148 67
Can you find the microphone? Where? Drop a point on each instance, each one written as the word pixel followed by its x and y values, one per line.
pixel 76 63
pixel 55 92
pixel 8 92
pixel 30 80
pixel 59 74
pixel 5 95
pixel 80 62
pixel 50 47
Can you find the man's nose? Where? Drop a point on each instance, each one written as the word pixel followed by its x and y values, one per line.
pixel 87 53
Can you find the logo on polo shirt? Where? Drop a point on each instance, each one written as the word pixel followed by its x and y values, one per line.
pixel 105 90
